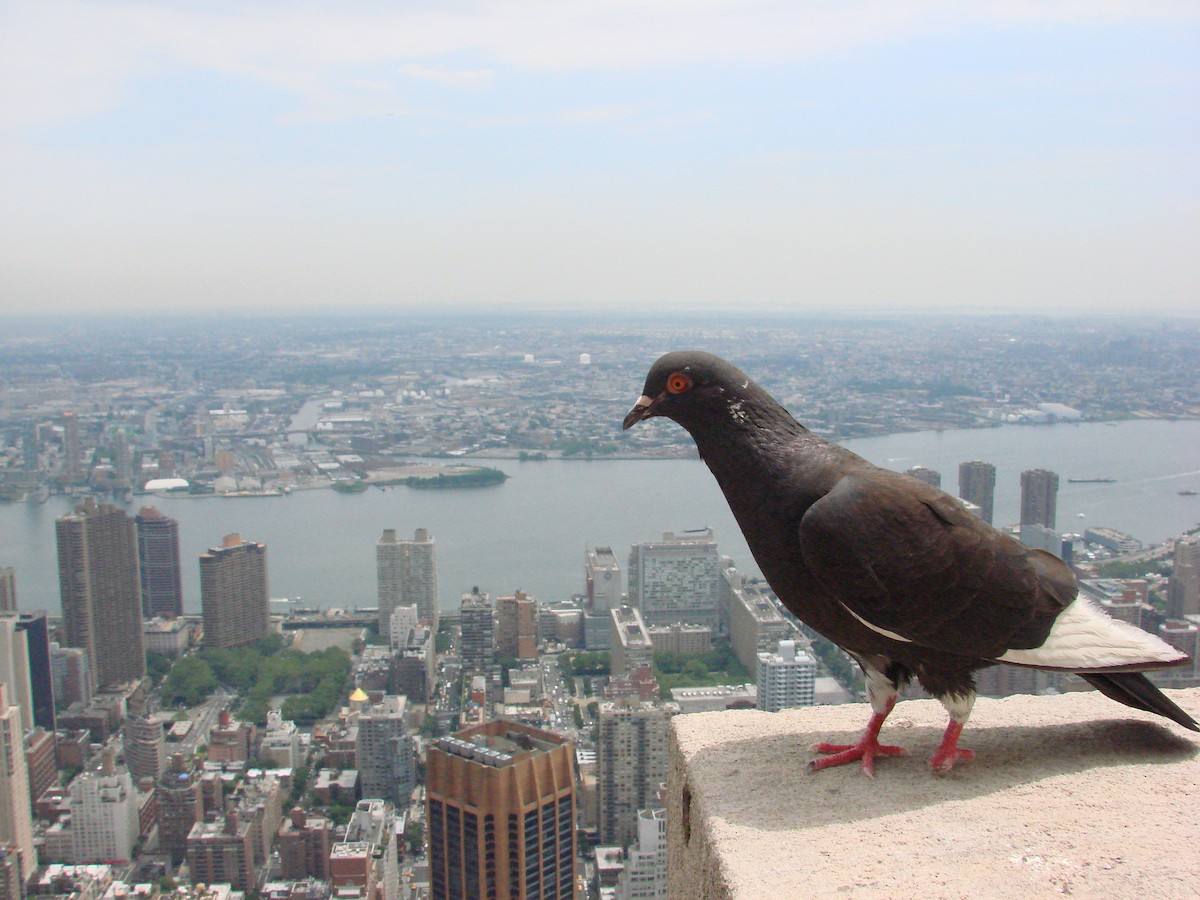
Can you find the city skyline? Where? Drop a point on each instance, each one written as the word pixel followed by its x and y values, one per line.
pixel 541 156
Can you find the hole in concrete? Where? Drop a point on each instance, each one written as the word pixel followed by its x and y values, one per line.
pixel 687 815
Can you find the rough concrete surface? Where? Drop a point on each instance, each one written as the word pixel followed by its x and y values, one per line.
pixel 1067 795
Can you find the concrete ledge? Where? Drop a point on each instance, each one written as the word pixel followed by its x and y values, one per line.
pixel 1069 794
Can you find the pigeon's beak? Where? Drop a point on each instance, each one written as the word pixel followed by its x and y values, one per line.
pixel 643 409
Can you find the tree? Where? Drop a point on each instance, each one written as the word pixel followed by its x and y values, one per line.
pixel 189 681
pixel 414 834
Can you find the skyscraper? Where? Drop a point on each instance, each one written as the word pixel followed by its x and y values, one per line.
pixel 1183 588
pixel 158 563
pixel 16 818
pixel 677 579
pixel 29 448
pixel 104 813
pixel 516 627
pixel 180 806
pixel 8 588
pixel 385 755
pixel 304 844
pixel 72 469
pixel 500 813
pixel 407 576
pixel 478 627
pixel 632 645
pixel 387 575
pixel 145 751
pixel 222 852
pixel 233 593
pixel 101 596
pixel 603 576
pixel 977 484
pixel 631 763
pixel 1039 497
pixel 645 874
pixel 26 667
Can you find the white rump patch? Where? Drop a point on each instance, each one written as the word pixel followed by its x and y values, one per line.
pixel 1085 638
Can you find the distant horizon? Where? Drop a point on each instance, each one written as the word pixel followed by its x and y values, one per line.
pixel 458 315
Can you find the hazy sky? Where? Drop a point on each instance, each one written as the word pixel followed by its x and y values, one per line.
pixel 609 154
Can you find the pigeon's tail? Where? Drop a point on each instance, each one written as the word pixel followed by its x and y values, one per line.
pixel 1135 689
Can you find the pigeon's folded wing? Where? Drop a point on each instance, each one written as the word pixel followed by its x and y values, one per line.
pixel 911 562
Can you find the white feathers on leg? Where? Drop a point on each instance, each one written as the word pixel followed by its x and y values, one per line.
pixel 881 691
pixel 959 706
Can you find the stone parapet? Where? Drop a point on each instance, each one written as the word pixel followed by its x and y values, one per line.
pixel 1070 794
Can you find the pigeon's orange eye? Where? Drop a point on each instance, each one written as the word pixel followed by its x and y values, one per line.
pixel 678 383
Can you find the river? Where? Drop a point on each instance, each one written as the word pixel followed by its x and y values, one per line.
pixel 530 533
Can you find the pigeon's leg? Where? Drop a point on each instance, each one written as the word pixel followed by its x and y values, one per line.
pixel 882 693
pixel 948 752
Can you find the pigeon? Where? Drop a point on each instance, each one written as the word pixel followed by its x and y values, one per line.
pixel 893 570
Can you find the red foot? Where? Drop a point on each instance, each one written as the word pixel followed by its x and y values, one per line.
pixel 948 752
pixel 867 748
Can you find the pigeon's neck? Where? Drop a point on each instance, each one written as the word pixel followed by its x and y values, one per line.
pixel 766 462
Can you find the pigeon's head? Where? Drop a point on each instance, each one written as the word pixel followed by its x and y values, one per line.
pixel 691 387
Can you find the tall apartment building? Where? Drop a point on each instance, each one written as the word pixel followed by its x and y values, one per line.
pixel 16 817
pixel 101 593
pixel 233 593
pixel 104 813
pixel 41 755
pixel 786 679
pixel 12 885
pixel 602 574
pixel 222 853
pixel 931 477
pixel 386 757
pixel 8 589
pixel 1185 637
pixel 180 806
pixel 407 576
pixel 1183 588
pixel 404 620
pixel 145 747
pixel 158 564
pixel 631 764
pixel 30 445
pixel 363 865
pixel 414 658
pixel 25 666
pixel 72 469
pixel 1039 497
pixel 677 579
pixel 500 813
pixel 304 844
pixel 632 645
pixel 977 484
pixel 516 627
pixel 478 627
pixel 755 624
pixel 645 874
pixel 71 674
pixel 387 578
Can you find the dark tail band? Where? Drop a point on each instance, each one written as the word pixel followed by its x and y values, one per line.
pixel 1135 689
